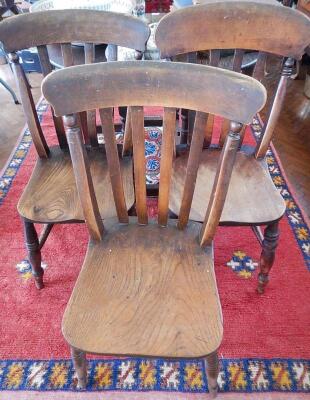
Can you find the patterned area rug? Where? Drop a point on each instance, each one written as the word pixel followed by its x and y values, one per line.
pixel 266 346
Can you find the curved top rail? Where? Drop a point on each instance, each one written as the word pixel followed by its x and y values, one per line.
pixel 129 83
pixel 234 24
pixel 66 26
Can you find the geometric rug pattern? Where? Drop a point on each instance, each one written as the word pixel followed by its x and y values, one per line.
pixel 244 375
pixel 141 374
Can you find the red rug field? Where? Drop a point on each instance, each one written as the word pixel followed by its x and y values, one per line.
pixel 266 346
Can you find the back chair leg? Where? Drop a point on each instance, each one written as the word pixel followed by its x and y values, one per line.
pixel 80 366
pixel 212 369
pixel 34 253
pixel 270 243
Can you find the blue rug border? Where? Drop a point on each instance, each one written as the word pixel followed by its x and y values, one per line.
pixel 226 383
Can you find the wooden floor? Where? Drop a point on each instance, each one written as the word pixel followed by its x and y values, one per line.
pixel 292 135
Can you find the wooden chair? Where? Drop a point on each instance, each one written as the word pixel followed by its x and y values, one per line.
pixel 148 288
pixel 252 197
pixel 50 196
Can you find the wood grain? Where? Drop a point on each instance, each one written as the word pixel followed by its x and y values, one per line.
pixel 152 294
pixel 138 138
pixel 127 143
pixel 51 194
pixel 83 179
pixel 220 185
pixel 201 27
pixel 167 152
pixel 58 123
pixel 151 81
pixel 192 168
pixel 89 49
pixel 106 116
pixel 250 185
pixel 29 108
pixel 86 26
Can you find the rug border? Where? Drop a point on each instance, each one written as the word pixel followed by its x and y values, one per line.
pixel 23 146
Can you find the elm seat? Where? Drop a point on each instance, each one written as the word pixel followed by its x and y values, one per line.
pixel 250 185
pixel 142 284
pixel 51 195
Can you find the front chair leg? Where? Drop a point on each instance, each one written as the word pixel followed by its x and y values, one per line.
pixel 34 253
pixel 80 366
pixel 269 245
pixel 212 369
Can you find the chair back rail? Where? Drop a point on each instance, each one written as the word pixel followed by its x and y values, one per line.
pixel 64 27
pixel 84 183
pixel 192 167
pixel 220 185
pixel 138 143
pixel 214 61
pixel 29 107
pixel 106 117
pixel 248 25
pixel 89 49
pixel 167 155
pixel 76 25
pixel 47 69
pixel 127 143
pixel 265 26
pixel 151 83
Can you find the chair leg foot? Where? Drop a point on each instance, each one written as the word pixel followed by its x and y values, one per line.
pixel 34 253
pixel 80 366
pixel 270 243
pixel 212 370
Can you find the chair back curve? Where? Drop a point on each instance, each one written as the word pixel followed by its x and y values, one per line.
pixel 234 24
pixel 135 84
pixel 63 27
pixel 76 25
pixel 215 25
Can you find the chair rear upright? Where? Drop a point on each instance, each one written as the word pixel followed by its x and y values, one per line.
pixel 137 84
pixel 65 27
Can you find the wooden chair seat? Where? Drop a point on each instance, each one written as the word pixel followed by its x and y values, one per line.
pixel 146 290
pixel 252 197
pixel 51 195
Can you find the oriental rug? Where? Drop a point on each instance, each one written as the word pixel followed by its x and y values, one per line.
pixel 265 352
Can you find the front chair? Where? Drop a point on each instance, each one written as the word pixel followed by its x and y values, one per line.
pixel 252 199
pixel 148 288
pixel 51 196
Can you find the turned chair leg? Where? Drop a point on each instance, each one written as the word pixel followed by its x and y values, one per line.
pixel 212 369
pixel 34 253
pixel 269 245
pixel 80 366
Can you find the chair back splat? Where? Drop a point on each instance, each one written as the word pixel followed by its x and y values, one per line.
pixel 136 84
pixel 263 26
pixel 64 27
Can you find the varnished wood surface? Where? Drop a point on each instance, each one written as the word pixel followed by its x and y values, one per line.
pixel 146 290
pixel 29 107
pixel 154 83
pixel 291 137
pixel 106 116
pixel 87 26
pixel 250 185
pixel 82 173
pixel 200 27
pixel 138 144
pixel 51 194
pixel 221 183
